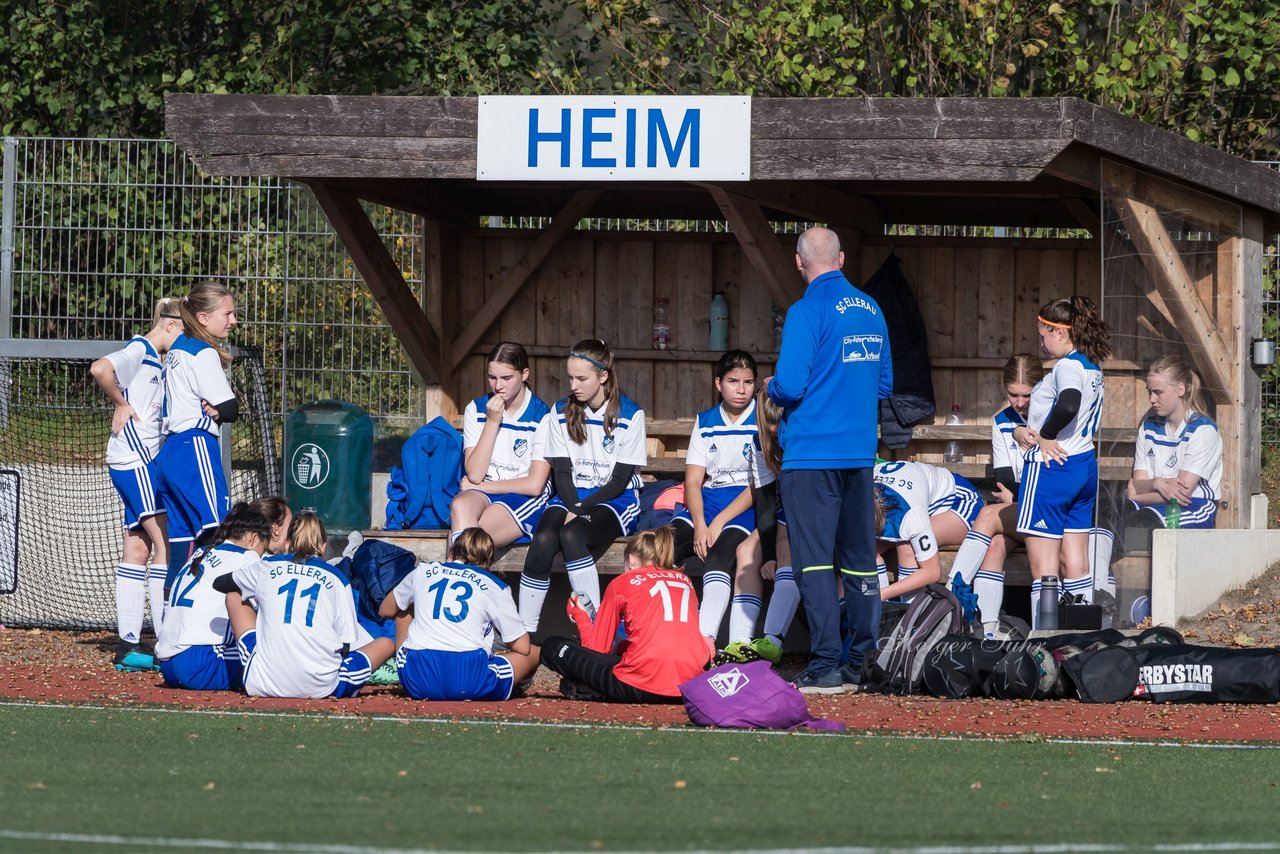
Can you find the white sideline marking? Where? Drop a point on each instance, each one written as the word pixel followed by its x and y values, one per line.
pixel 677 729
pixel 305 848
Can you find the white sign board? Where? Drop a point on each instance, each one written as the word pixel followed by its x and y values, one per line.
pixel 613 138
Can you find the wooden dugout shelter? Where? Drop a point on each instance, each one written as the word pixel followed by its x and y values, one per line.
pixel 1169 241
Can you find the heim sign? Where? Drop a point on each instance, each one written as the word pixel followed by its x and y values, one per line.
pixel 613 138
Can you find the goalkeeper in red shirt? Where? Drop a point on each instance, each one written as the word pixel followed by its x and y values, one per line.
pixel 664 647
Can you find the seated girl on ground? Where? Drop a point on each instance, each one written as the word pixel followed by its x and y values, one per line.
pixel 1178 455
pixel 927 507
pixel 505 486
pixel 303 640
pixel 447 615
pixel 195 647
pixel 664 646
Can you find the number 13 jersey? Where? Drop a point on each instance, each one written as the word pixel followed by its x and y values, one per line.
pixel 457 607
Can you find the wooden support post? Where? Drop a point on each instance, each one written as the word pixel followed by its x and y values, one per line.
pixel 439 285
pixel 760 244
pixel 578 206
pixel 1244 468
pixel 1174 284
pixel 384 278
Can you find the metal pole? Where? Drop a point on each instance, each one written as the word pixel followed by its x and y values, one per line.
pixel 7 193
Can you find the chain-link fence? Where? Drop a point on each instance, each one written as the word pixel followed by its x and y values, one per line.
pixel 95 230
pixel 1271 329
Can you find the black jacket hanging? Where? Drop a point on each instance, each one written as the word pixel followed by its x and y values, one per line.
pixel 912 400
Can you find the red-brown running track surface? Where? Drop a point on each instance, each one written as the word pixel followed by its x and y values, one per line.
pixel 67 667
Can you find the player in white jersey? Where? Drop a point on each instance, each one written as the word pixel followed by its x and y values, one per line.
pixel 132 378
pixel 596 448
pixel 505 483
pixel 304 639
pixel 1178 454
pixel 196 648
pixel 451 613
pixel 979 562
pixel 198 399
pixel 1060 479
pixel 722 462
pixel 925 507
pixel 766 554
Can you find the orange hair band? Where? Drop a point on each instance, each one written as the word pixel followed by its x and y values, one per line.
pixel 1066 326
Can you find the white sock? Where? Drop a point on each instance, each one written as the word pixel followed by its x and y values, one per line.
pixel 1101 542
pixel 584 580
pixel 1035 604
pixel 453 537
pixel 743 613
pixel 969 556
pixel 155 589
pixel 882 573
pixel 716 590
pixel 131 598
pixel 905 572
pixel 533 592
pixel 1080 587
pixel 782 605
pixel 989 587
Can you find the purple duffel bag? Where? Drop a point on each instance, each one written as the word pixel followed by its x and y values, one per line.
pixel 748 696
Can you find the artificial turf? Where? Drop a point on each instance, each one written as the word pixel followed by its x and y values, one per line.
pixel 386 784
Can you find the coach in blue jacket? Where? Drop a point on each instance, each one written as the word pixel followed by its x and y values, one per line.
pixel 832 372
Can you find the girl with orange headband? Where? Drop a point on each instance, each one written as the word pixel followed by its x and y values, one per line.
pixel 1060 476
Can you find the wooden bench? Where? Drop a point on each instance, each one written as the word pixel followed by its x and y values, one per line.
pixel 1132 571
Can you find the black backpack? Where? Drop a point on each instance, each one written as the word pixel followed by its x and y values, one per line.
pixel 933 614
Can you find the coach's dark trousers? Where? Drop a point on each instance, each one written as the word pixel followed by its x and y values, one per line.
pixel 831 524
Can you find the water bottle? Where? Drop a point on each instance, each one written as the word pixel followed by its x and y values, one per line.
pixel 1172 514
pixel 661 325
pixel 1047 613
pixel 954 452
pixel 718 341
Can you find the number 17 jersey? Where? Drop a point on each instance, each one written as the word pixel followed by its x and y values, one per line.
pixel 664 645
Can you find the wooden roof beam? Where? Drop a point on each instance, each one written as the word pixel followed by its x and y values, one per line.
pixel 760 244
pixel 813 202
pixel 578 206
pixel 384 278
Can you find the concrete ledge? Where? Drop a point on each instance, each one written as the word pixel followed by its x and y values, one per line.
pixel 1191 569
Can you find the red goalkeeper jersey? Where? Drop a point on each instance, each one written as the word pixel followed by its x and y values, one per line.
pixel 664 646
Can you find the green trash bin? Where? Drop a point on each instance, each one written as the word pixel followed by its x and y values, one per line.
pixel 328 460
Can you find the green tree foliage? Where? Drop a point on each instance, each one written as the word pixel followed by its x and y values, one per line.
pixel 1207 68
pixel 89 67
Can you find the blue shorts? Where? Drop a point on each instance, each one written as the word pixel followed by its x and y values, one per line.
pixel 204 668
pixel 137 490
pixel 525 510
pixel 1057 499
pixel 1201 513
pixel 626 507
pixel 377 628
pixel 432 674
pixel 192 483
pixel 714 501
pixel 353 674
pixel 965 502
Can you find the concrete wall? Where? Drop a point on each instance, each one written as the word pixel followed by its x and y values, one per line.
pixel 1191 569
pixel 378 502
